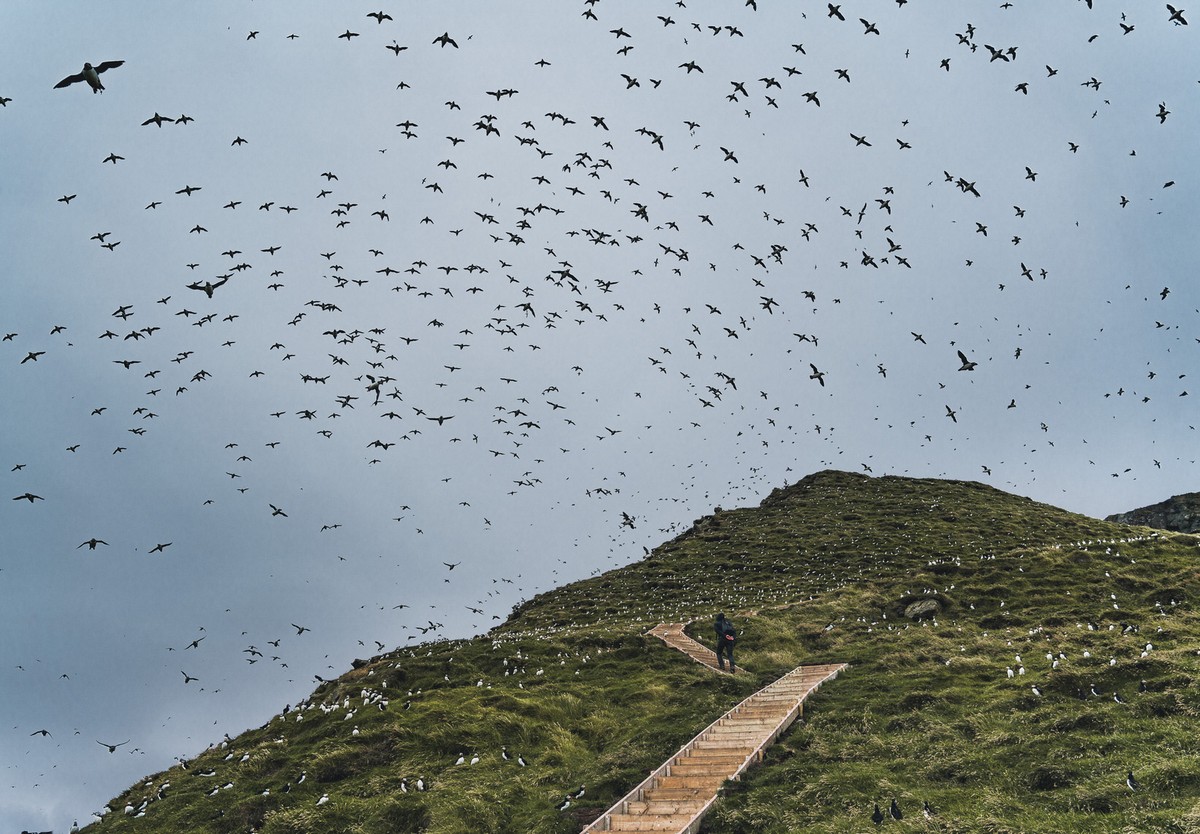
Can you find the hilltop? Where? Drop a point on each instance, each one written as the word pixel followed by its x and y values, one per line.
pixel 568 692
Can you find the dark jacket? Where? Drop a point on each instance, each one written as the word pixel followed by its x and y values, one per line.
pixel 725 630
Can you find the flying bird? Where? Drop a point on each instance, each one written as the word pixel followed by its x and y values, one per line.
pixel 91 74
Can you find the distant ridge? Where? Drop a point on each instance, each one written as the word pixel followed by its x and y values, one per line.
pixel 1179 514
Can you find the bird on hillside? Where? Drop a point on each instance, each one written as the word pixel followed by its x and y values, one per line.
pixel 90 74
pixel 877 816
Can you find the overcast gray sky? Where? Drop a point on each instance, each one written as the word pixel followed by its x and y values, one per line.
pixel 631 252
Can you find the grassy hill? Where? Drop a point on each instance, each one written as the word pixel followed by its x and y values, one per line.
pixel 823 570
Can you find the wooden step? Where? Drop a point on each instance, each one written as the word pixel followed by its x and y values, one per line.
pixel 682 795
pixel 665 807
pixel 717 771
pixel 729 744
pixel 642 822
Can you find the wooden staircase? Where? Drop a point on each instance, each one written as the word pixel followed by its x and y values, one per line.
pixel 676 796
pixel 672 634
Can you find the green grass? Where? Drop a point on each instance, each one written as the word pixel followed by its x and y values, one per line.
pixel 925 713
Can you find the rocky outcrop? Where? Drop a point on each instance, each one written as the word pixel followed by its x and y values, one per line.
pixel 923 609
pixel 1180 514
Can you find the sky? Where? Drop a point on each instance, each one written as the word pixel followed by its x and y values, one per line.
pixel 492 313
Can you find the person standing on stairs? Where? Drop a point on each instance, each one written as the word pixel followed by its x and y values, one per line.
pixel 726 638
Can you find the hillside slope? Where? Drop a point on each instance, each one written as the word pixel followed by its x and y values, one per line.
pixel 568 693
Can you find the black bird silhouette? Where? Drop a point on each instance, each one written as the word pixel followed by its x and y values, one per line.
pixel 208 287
pixel 91 74
pixel 876 815
pixel 112 748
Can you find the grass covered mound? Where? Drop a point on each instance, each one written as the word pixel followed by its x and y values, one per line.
pixel 1102 641
pixel 829 566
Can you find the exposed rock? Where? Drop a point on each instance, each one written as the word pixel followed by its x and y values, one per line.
pixel 1180 514
pixel 923 609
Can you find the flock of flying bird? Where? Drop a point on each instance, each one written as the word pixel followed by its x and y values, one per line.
pixel 534 283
